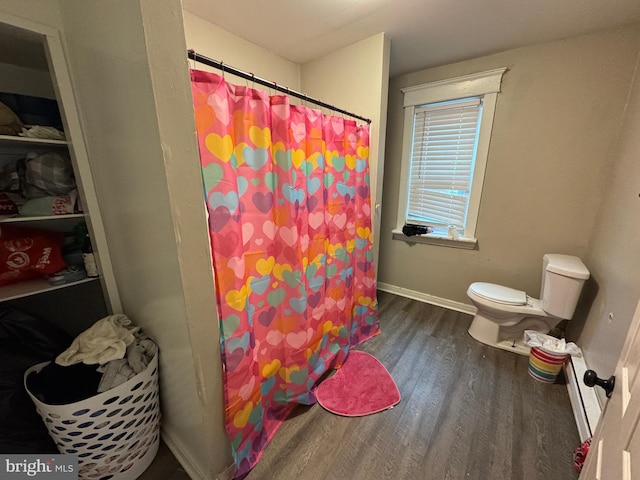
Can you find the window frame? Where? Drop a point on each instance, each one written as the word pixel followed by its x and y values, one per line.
pixel 484 84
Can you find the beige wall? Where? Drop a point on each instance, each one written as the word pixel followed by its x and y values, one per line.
pixel 215 42
pixel 356 79
pixel 25 81
pixel 131 80
pixel 19 79
pixel 45 12
pixel 614 250
pixel 556 126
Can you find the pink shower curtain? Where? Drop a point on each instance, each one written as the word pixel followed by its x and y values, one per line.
pixel 287 190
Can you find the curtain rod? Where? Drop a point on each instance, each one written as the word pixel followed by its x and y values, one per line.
pixel 193 55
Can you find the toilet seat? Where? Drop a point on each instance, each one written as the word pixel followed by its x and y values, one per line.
pixel 499 293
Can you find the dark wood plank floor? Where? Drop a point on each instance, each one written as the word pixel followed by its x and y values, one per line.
pixel 468 411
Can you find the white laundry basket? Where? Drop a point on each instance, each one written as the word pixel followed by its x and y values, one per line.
pixel 115 434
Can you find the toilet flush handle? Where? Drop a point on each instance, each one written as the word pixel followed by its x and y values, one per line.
pixel 591 379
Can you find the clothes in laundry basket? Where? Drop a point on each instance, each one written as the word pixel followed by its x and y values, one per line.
pixel 138 356
pixel 106 355
pixel 105 340
pixel 58 385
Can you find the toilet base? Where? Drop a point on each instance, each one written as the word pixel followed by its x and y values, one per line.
pixel 515 347
pixel 488 332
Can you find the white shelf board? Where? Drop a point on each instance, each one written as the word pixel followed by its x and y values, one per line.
pixel 34 287
pixel 41 218
pixel 14 140
pixel 58 223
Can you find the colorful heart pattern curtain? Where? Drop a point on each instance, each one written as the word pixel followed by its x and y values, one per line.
pixel 287 191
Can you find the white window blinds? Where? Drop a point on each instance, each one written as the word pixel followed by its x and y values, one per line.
pixel 445 137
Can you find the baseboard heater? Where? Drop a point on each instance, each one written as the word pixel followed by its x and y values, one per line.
pixel 584 401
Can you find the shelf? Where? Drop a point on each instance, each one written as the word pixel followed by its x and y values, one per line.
pixel 26 141
pixel 58 223
pixel 34 287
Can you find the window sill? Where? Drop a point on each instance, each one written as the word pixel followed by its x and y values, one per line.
pixel 433 239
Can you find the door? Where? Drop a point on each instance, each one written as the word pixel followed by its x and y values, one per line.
pixel 615 449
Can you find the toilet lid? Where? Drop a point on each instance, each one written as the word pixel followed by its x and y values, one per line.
pixel 499 294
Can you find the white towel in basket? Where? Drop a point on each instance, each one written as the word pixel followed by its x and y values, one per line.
pixel 105 340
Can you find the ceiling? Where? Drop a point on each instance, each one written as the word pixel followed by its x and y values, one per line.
pixel 424 33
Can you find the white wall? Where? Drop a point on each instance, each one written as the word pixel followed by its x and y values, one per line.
pixel 356 79
pixel 214 42
pixel 128 62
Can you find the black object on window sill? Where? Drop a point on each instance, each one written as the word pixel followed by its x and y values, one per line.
pixel 411 229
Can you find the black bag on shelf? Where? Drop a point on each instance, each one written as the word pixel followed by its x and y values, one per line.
pixel 24 342
pixel 33 110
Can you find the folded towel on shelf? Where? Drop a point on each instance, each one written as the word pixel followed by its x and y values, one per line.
pixel 104 341
pixel 38 131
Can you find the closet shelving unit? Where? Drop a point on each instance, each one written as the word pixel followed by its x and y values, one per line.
pixel 16 145
pixel 34 58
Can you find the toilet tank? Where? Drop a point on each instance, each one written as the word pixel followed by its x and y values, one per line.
pixel 562 279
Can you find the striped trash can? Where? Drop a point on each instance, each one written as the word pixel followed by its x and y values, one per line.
pixel 545 366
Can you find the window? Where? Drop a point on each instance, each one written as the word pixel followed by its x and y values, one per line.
pixel 446 141
pixel 445 135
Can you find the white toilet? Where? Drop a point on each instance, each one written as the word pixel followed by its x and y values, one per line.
pixel 505 313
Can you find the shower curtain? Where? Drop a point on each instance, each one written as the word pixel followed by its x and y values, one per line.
pixel 287 192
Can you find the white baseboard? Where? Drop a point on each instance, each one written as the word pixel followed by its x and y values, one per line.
pixel 584 401
pixel 426 298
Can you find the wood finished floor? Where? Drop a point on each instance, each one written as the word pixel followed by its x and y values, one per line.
pixel 467 412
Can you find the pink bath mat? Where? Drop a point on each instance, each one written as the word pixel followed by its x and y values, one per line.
pixel 361 387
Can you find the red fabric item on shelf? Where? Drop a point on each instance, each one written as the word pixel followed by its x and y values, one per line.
pixel 29 252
